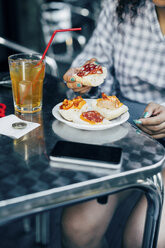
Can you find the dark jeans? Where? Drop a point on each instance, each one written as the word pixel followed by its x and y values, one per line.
pixel 136 109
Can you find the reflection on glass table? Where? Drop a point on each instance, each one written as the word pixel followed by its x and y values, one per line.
pixel 32 143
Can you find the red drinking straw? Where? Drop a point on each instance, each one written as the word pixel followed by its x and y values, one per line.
pixel 43 56
pixel 56 31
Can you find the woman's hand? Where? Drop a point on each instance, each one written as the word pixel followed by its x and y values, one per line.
pixel 153 121
pixel 72 83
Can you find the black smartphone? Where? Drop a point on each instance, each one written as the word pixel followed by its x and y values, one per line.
pixel 87 154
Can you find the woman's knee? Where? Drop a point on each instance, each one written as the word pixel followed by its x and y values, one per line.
pixel 75 227
pixel 86 223
pixel 78 230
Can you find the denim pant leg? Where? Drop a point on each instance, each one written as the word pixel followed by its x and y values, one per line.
pixel 136 109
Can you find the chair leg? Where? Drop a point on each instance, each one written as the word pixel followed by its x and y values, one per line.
pixel 27 224
pixel 42 222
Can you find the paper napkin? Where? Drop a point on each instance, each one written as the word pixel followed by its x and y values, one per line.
pixel 7 129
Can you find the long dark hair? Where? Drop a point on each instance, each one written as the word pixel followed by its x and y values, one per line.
pixel 128 7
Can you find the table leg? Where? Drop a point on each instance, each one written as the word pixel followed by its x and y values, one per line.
pixel 42 228
pixel 160 183
pixel 153 189
pixel 154 195
pixel 27 224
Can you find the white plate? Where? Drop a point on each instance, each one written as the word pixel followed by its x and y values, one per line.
pixel 121 119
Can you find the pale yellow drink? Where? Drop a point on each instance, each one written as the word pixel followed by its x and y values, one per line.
pixel 27 73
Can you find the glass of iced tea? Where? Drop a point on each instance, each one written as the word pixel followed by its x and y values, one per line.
pixel 27 72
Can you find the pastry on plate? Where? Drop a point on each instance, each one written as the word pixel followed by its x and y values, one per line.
pixel 109 106
pixel 69 108
pixel 90 117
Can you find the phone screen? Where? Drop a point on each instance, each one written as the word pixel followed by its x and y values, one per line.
pixel 66 150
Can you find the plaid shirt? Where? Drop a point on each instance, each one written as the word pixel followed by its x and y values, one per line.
pixel 134 54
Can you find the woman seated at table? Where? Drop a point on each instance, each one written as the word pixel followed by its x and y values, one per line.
pixel 129 41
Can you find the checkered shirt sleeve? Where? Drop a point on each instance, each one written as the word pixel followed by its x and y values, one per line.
pixel 134 53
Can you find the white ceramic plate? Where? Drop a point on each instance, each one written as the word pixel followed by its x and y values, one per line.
pixel 121 119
